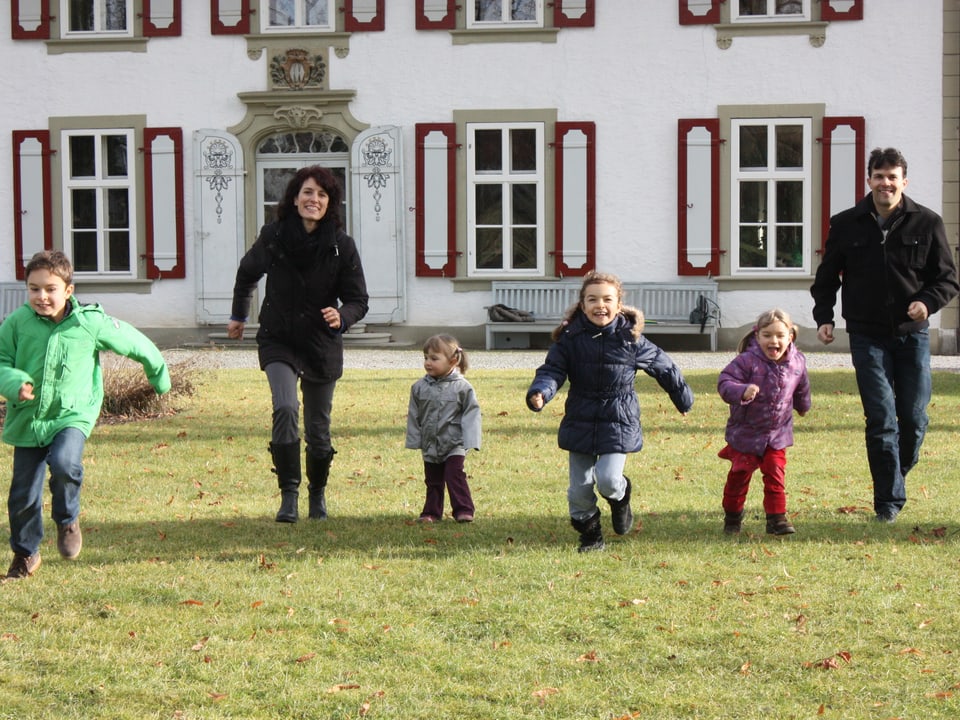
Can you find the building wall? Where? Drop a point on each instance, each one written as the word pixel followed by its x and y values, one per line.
pixel 634 74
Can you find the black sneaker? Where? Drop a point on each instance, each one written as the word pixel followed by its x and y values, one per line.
pixel 23 566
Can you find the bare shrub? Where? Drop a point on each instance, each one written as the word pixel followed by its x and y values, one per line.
pixel 127 395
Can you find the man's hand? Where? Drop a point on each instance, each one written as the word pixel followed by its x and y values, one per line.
pixel 825 333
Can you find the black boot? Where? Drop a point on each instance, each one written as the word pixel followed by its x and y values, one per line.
pixel 318 470
pixel 591 538
pixel 777 524
pixel 621 514
pixel 732 522
pixel 286 464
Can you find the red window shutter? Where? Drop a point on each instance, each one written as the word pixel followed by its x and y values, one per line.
pixel 227 23
pixel 163 202
pixel 843 144
pixel 436 200
pixel 697 16
pixel 26 13
pixel 560 18
pixel 829 12
pixel 351 23
pixel 575 194
pixel 698 197
pixel 32 210
pixel 447 22
pixel 169 27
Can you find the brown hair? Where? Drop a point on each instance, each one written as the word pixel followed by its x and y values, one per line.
pixel 54 262
pixel 768 318
pixel 325 179
pixel 449 347
pixel 598 278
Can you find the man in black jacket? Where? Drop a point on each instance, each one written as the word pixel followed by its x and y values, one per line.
pixel 892 260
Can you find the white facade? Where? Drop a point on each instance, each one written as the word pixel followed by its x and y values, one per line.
pixel 634 74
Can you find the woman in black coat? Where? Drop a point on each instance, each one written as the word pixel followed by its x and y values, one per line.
pixel 315 291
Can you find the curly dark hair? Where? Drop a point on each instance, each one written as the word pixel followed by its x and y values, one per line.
pixel 325 179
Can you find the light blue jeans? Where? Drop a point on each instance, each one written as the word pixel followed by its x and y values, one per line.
pixel 64 456
pixel 893 376
pixel 604 471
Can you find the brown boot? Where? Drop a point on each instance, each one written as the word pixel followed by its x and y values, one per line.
pixel 69 540
pixel 732 522
pixel 777 524
pixel 23 566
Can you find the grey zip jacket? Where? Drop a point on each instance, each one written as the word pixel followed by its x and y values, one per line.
pixel 443 418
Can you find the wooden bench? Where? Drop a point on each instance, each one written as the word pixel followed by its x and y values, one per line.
pixel 12 296
pixel 666 308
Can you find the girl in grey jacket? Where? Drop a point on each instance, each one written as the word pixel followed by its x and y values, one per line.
pixel 443 422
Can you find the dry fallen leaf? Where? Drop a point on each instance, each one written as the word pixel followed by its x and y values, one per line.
pixel 342 686
pixel 589 657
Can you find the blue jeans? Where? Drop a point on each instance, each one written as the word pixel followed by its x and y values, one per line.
pixel 25 504
pixel 604 471
pixel 893 376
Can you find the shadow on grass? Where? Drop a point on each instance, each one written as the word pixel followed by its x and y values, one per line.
pixel 257 539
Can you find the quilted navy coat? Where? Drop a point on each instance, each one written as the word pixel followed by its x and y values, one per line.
pixel 602 412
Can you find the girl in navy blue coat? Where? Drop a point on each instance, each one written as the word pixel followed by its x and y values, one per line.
pixel 599 348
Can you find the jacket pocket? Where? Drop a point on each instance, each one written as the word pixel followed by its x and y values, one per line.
pixel 915 250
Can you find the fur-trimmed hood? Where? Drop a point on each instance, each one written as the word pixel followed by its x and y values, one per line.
pixel 632 315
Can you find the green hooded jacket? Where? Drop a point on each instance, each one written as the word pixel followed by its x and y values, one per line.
pixel 62 361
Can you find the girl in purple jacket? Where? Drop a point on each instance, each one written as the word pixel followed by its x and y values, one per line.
pixel 763 385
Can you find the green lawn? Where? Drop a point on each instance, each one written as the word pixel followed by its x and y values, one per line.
pixel 189 601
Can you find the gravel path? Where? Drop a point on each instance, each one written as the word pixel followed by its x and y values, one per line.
pixel 412 359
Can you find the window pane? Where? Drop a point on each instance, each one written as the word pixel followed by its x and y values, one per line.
pixel 81 15
pixel 82 157
pixel 523 150
pixel 789 146
pixel 115 15
pixel 119 250
pixel 789 7
pixel 753 252
pixel 488 150
pixel 790 247
pixel 490 10
pixel 84 253
pixel 524 248
pixel 523 10
pixel 83 204
pixel 282 13
pixel 753 7
pixel 115 155
pixel 118 208
pixel 789 201
pixel 316 12
pixel 489 248
pixel 489 205
pixel 524 204
pixel 753 202
pixel 753 146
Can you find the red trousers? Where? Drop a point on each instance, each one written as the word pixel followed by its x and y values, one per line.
pixel 771 465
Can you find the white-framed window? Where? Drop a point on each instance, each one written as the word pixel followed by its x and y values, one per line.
pixel 769 10
pixel 84 18
pixel 297 16
pixel 505 198
pixel 771 195
pixel 99 213
pixel 511 13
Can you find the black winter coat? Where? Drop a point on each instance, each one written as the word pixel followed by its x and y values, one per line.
pixel 882 276
pixel 305 273
pixel 602 412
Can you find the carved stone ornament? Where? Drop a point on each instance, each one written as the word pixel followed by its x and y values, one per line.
pixel 297 116
pixel 297 70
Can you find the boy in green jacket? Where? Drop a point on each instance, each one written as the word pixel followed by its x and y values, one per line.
pixel 50 375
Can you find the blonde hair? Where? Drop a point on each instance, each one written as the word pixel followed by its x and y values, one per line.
pixel 449 347
pixel 597 278
pixel 768 318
